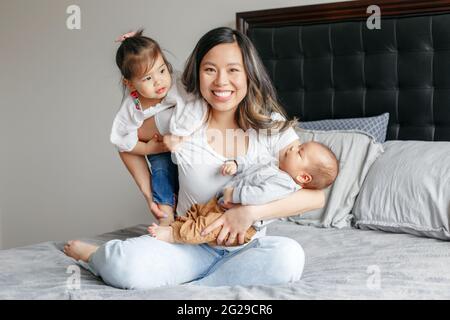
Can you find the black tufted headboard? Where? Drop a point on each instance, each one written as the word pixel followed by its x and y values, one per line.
pixel 325 62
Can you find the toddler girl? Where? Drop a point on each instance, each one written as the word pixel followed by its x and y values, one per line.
pixel 151 91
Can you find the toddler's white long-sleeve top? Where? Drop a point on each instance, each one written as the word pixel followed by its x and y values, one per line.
pixel 188 114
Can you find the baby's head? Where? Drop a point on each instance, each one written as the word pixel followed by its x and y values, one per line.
pixel 143 66
pixel 311 164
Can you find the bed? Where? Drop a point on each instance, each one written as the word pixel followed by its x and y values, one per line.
pixel 344 262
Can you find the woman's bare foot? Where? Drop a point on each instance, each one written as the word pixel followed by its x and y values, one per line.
pixel 79 250
pixel 164 233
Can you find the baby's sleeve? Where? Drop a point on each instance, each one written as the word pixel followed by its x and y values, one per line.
pixel 243 164
pixel 189 112
pixel 267 186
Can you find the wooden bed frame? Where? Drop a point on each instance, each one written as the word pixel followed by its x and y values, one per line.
pixel 336 11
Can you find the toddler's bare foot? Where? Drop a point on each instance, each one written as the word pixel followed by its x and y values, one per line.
pixel 79 250
pixel 170 215
pixel 167 210
pixel 165 222
pixel 163 233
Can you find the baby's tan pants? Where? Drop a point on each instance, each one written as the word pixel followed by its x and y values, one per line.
pixel 187 229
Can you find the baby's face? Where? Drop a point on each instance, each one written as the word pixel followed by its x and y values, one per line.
pixel 155 83
pixel 298 158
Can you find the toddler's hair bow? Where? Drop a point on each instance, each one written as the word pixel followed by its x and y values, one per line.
pixel 126 36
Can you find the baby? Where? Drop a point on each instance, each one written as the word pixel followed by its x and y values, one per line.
pixel 310 165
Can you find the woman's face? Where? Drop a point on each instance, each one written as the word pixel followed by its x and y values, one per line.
pixel 223 80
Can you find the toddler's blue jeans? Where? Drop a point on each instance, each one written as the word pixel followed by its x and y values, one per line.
pixel 164 178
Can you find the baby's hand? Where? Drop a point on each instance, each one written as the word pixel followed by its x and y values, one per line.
pixel 229 168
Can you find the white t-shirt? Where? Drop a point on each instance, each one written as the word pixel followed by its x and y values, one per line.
pixel 199 165
pixel 182 120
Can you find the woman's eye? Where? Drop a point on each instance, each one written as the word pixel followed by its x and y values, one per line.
pixel 209 70
pixel 162 71
pixel 148 78
pixel 234 70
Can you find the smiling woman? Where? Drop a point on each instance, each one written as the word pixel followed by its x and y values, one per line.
pixel 224 86
pixel 226 72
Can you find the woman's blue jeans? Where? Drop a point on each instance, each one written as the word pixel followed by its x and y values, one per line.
pixel 145 262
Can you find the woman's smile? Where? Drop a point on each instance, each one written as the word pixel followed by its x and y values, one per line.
pixel 222 95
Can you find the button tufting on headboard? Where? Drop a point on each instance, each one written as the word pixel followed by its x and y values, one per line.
pixel 344 70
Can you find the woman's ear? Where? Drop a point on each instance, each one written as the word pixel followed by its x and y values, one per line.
pixel 303 178
pixel 127 83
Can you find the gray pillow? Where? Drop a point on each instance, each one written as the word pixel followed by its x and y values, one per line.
pixel 356 151
pixel 374 126
pixel 407 190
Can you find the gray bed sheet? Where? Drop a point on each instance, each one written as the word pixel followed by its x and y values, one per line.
pixel 340 264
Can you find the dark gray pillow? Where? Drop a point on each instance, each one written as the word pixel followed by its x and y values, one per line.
pixel 407 190
pixel 373 126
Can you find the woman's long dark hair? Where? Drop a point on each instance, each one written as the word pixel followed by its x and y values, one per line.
pixel 261 100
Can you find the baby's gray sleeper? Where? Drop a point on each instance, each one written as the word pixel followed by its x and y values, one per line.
pixel 260 184
pixel 256 184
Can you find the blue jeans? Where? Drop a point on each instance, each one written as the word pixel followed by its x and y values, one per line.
pixel 164 178
pixel 145 262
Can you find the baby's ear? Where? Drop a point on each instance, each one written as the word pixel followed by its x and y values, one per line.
pixel 303 178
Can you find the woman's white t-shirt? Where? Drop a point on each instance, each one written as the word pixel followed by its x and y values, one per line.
pixel 199 165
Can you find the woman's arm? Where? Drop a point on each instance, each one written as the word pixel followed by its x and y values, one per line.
pixel 138 168
pixel 296 203
pixel 238 219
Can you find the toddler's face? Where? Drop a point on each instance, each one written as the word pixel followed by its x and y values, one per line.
pixel 154 84
pixel 297 159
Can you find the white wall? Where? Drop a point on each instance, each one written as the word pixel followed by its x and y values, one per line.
pixel 60 178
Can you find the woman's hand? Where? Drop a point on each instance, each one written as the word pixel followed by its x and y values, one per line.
pixel 234 222
pixel 157 212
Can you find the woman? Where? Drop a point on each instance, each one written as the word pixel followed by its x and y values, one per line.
pixel 224 69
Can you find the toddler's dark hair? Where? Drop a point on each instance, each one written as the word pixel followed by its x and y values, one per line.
pixel 136 56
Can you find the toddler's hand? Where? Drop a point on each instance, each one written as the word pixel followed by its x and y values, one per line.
pixel 229 168
pixel 156 145
pixel 172 142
